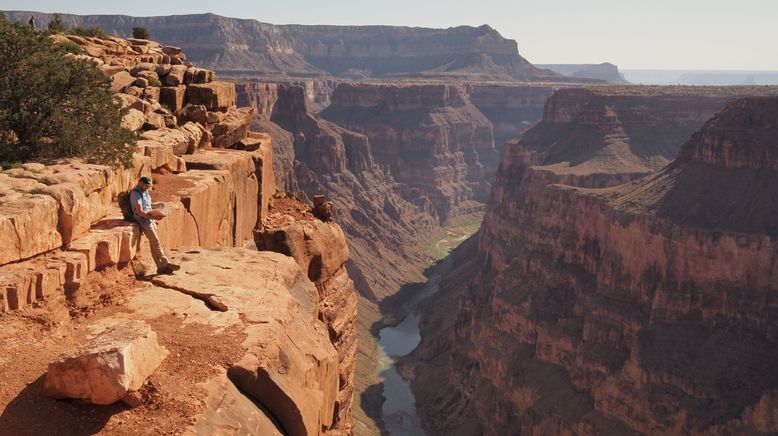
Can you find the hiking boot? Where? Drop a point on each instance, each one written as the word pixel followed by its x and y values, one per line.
pixel 174 266
pixel 165 270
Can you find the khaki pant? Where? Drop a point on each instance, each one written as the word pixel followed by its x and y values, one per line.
pixel 150 230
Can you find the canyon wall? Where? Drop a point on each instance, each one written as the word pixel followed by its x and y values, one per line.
pixel 384 220
pixel 512 109
pixel 242 47
pixel 248 340
pixel 646 307
pixel 430 136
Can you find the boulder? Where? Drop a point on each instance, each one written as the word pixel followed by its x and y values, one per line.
pixel 233 128
pixel 151 93
pixel 163 69
pixel 214 95
pixel 121 80
pixel 151 76
pixel 195 133
pixel 225 407
pixel 110 70
pixel 140 49
pixel 198 75
pixel 133 90
pixel 177 140
pixel 171 50
pixel 28 226
pixel 176 75
pixel 141 82
pixel 172 97
pixel 154 121
pixel 143 66
pixel 117 359
pixel 195 113
pixel 133 120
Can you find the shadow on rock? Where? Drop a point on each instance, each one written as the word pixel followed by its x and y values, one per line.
pixel 31 413
pixel 372 400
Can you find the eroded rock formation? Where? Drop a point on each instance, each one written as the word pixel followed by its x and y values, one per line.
pixel 253 344
pixel 646 307
pixel 430 136
pixel 384 220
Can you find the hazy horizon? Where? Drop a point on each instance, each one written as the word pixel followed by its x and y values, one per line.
pixel 665 35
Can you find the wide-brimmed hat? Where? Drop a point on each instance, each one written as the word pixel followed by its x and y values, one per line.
pixel 146 180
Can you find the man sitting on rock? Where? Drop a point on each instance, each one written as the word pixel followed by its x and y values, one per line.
pixel 140 199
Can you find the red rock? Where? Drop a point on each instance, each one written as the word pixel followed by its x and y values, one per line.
pixel 117 360
pixel 320 249
pixel 171 50
pixel 175 76
pixel 133 120
pixel 172 97
pixel 431 136
pixel 245 189
pixel 166 137
pixel 618 301
pixel 121 80
pixel 214 95
pixel 232 128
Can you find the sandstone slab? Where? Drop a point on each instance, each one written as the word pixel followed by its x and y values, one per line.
pixel 227 409
pixel 290 367
pixel 117 359
pixel 175 139
pixel 245 188
pixel 214 95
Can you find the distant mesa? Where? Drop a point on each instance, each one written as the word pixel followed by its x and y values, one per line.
pixel 605 71
pixel 241 47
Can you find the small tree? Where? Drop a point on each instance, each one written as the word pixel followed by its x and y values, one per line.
pixel 94 32
pixel 140 33
pixel 56 25
pixel 54 106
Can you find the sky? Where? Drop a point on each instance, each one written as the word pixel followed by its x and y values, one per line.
pixel 634 34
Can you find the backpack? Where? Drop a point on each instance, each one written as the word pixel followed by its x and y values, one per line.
pixel 126 206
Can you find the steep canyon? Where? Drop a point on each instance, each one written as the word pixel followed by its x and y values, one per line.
pixel 590 306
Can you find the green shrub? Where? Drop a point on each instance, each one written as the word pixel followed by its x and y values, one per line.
pixel 94 32
pixel 56 25
pixel 71 47
pixel 52 106
pixel 153 81
pixel 10 165
pixel 140 33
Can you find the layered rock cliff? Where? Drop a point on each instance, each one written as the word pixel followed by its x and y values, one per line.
pixel 641 308
pixel 512 109
pixel 247 341
pixel 430 136
pixel 384 220
pixel 604 136
pixel 240 46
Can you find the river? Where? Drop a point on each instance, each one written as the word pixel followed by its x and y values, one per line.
pixel 399 408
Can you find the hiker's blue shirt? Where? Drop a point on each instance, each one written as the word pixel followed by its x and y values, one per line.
pixel 144 200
